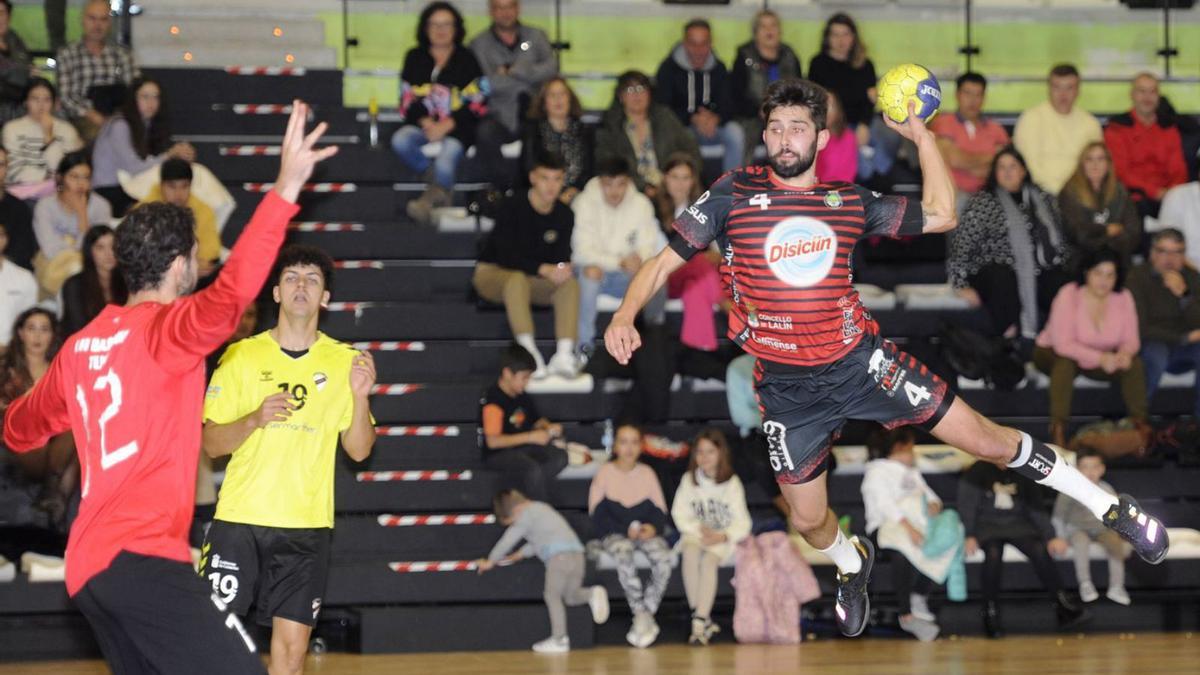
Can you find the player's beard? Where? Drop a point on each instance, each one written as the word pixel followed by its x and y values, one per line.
pixel 803 162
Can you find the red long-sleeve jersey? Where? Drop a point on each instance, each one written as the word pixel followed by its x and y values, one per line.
pixel 130 385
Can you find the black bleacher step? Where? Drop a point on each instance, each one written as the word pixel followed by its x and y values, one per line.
pixel 448 320
pixel 370 202
pixel 388 630
pixel 353 161
pixel 239 117
pixel 189 87
pixel 444 402
pixel 382 280
pixel 427 496
pixel 388 239
pixel 20 596
pixel 887 275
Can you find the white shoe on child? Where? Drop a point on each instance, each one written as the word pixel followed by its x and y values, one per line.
pixel 649 633
pixel 1087 592
pixel 553 645
pixel 634 636
pixel 919 606
pixel 599 604
pixel 697 637
pixel 1119 595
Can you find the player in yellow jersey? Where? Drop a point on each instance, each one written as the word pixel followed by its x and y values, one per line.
pixel 279 402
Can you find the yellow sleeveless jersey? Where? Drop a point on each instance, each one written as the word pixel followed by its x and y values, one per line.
pixel 283 475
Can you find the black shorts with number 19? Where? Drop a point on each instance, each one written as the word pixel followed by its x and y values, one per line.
pixel 804 409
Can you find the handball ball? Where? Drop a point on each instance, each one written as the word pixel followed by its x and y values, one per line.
pixel 905 83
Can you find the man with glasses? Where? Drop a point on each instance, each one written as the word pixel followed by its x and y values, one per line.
pixel 1167 293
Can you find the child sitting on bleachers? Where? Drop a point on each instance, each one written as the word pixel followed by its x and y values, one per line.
pixel 1078 526
pixel 628 514
pixel 710 512
pixel 548 536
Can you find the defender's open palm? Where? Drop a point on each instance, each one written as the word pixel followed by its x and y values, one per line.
pixel 297 154
pixel 621 340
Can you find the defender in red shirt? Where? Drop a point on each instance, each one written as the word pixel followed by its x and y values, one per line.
pixel 787 240
pixel 130 385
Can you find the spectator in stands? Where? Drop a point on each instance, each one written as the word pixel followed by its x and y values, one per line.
pixel 37 142
pixel 99 284
pixel 1000 507
pixel 640 131
pixel 898 501
pixel 516 439
pixel 1167 294
pixel 1147 149
pixel 554 126
pixel 175 187
pixel 517 60
pixel 968 140
pixel 839 160
pixel 1052 133
pixel 1074 523
pixel 61 220
pixel 1093 330
pixel 711 515
pixel 35 339
pixel 1096 210
pixel 17 220
pixel 694 84
pixel 1009 253
pixel 615 232
pixel 527 260
pixel 1181 210
pixel 94 72
pixel 15 67
pixel 629 513
pixel 135 139
pixel 758 63
pixel 547 535
pixel 18 290
pixel 696 283
pixel 443 94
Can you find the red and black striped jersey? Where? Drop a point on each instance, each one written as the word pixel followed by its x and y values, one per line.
pixel 786 259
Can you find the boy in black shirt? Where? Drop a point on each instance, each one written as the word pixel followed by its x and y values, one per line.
pixel 514 438
pixel 527 260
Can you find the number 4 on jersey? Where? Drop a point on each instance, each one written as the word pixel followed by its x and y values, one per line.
pixel 916 393
pixel 761 200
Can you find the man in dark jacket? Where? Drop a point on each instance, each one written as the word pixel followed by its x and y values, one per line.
pixel 1167 294
pixel 694 84
pixel 527 260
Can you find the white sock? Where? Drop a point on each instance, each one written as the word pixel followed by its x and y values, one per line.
pixel 844 554
pixel 1061 477
pixel 566 345
pixel 526 341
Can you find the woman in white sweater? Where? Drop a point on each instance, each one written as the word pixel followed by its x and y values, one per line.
pixel 710 512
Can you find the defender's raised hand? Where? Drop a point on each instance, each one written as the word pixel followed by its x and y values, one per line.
pixel 297 155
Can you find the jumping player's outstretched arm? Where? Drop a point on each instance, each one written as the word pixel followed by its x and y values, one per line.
pixel 194 326
pixel 622 339
pixel 937 191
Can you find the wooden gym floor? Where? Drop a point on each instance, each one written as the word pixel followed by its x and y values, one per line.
pixel 1098 654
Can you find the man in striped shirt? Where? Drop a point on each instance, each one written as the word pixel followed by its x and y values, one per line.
pixel 787 238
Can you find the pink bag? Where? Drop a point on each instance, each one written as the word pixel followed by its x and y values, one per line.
pixel 771 581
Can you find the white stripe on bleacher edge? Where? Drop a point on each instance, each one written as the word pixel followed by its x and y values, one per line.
pixel 259 108
pixel 388 520
pixel 358 264
pixel 249 150
pixel 308 187
pixel 441 566
pixel 390 346
pixel 274 71
pixel 395 389
pixel 317 226
pixel 444 431
pixel 409 476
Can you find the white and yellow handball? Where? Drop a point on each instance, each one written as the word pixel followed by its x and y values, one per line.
pixel 909 82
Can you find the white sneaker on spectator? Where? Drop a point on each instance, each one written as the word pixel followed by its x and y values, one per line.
pixel 599 604
pixel 925 631
pixel 920 607
pixel 1119 595
pixel 553 645
pixel 563 364
pixel 649 632
pixel 634 636
pixel 8 571
pixel 1087 592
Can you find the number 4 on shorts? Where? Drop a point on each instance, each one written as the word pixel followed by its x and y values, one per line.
pixel 916 393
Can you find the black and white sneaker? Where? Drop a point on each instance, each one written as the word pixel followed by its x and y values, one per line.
pixel 853 606
pixel 1144 531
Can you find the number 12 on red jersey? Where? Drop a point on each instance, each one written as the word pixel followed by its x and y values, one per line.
pixel 112 382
